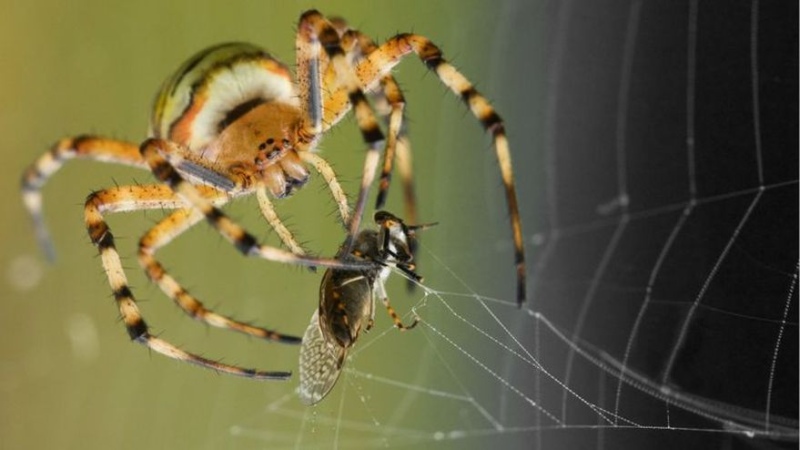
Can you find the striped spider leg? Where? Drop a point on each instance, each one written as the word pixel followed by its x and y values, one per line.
pixel 347 302
pixel 378 63
pixel 315 32
pixel 391 102
pixel 128 198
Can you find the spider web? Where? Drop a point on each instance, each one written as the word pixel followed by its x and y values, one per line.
pixel 662 216
pixel 657 168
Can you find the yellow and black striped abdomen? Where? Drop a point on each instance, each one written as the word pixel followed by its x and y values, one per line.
pixel 213 88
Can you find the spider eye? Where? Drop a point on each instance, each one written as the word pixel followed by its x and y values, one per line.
pixel 262 146
pixel 270 141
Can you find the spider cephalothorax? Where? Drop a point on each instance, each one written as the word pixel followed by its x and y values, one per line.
pixel 232 121
pixel 260 148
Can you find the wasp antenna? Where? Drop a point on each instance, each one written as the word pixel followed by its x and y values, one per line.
pixel 422 226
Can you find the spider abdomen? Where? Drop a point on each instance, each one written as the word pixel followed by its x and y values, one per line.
pixel 215 87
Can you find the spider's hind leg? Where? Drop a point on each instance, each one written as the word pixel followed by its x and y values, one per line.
pixel 81 147
pixel 391 104
pixel 130 198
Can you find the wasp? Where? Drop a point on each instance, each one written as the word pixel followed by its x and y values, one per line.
pixel 347 301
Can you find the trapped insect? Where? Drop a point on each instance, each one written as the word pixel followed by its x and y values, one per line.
pixel 233 121
pixel 347 302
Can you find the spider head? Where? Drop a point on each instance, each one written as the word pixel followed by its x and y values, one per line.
pixel 261 145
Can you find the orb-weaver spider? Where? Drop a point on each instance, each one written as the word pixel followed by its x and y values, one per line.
pixel 232 122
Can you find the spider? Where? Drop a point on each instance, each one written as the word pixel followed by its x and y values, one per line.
pixel 347 302
pixel 232 121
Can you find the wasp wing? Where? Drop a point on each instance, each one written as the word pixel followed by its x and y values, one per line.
pixel 321 362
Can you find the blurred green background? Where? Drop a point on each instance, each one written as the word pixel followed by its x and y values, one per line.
pixel 69 377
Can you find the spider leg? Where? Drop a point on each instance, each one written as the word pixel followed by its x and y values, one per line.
pixel 268 211
pixel 38 173
pixel 380 62
pixel 131 198
pixel 397 140
pixel 162 234
pixel 391 105
pixel 326 171
pixel 243 240
pixel 311 63
pixel 397 146
pixel 405 168
pixel 316 30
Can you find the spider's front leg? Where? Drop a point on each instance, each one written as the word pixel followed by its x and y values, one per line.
pixel 358 45
pixel 381 61
pixel 397 142
pixel 131 198
pixel 315 34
